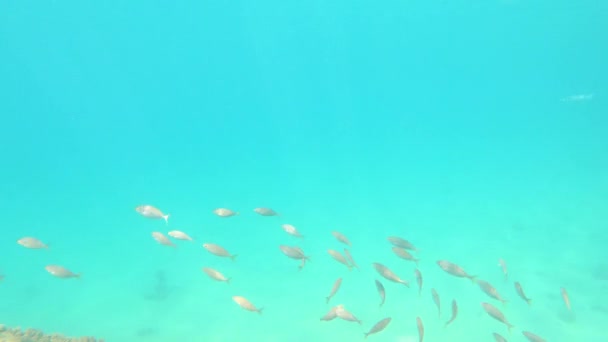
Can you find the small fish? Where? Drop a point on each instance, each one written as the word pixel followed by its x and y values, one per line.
pixel 61 272
pixel 437 301
pixel 330 315
pixel 490 290
pixel 496 314
pixel 503 265
pixel 577 98
pixel 339 258
pixel 340 237
pixel 404 254
pixel 334 289
pixel 219 251
pixel 266 212
pixel 381 292
pixel 400 242
pixel 246 304
pixel 378 327
pixel 454 312
pixel 152 212
pixel 533 337
pixel 420 329
pixel 350 259
pixel 294 253
pixel 520 292
pixel 179 235
pixel 215 274
pixel 291 230
pixel 499 338
pixel 224 212
pixel 32 243
pixel 388 274
pixel 454 269
pixel 566 298
pixel 346 315
pixel 418 281
pixel 162 239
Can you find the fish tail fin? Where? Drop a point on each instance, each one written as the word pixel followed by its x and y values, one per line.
pixel 228 280
pixel 233 257
pixel 473 279
pixel 327 300
pixel 77 275
pixel 365 335
pixel 529 301
pixel 510 327
pixel 166 218
pixel 260 310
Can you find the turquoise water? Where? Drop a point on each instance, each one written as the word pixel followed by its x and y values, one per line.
pixel 451 124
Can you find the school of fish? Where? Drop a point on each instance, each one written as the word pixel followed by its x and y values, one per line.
pixel 400 247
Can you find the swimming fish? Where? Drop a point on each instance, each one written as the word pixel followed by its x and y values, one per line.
pixel 499 338
pixel 403 243
pixel 295 253
pixel 330 315
pixel 503 265
pixel 215 274
pixel 152 212
pixel 179 235
pixel 339 258
pixel 378 327
pixel 490 290
pixel 346 315
pixel 565 297
pixel 162 239
pixel 266 212
pixel 246 304
pixel 388 274
pixel 32 243
pixel 420 329
pixel 437 301
pixel 520 292
pixel 454 269
pixel 224 212
pixel 496 314
pixel 340 237
pixel 454 312
pixel 219 251
pixel 381 292
pixel 418 281
pixel 61 272
pixel 334 289
pixel 533 337
pixel 404 254
pixel 291 230
pixel 350 259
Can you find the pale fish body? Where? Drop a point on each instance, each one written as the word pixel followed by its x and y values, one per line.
pixel 334 289
pixel 218 251
pixel 381 292
pixel 496 314
pixel 341 237
pixel 246 304
pixel 32 243
pixel 215 274
pixel 388 274
pixel 490 290
pixel 404 254
pixel 350 259
pixel 291 230
pixel 420 326
pixel 152 212
pixel 339 258
pixel 330 315
pixel 224 212
pixel 162 239
pixel 266 212
pixel 179 235
pixel 403 243
pixel 437 301
pixel 346 315
pixel 378 327
pixel 533 337
pixel 61 272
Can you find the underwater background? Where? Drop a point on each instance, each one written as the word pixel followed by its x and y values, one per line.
pixel 477 130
